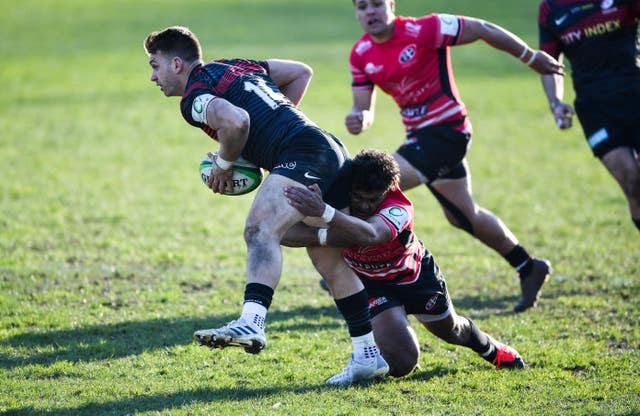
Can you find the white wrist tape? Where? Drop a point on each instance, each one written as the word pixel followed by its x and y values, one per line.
pixel 328 213
pixel 524 52
pixel 322 236
pixel 533 57
pixel 223 164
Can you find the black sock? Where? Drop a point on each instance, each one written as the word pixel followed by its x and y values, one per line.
pixel 355 311
pixel 258 293
pixel 480 342
pixel 636 221
pixel 519 259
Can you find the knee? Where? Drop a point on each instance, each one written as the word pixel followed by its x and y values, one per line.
pixel 401 363
pixel 251 232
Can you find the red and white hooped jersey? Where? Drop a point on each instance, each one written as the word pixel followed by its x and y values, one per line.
pixel 414 67
pixel 398 260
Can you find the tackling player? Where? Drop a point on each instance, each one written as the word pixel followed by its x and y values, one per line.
pixel 400 275
pixel 250 108
pixel 408 58
pixel 600 39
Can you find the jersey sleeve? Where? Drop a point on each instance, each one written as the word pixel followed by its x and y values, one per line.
pixel 194 103
pixel 397 217
pixel 359 78
pixel 548 42
pixel 440 30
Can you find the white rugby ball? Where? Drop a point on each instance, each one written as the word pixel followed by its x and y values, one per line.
pixel 246 176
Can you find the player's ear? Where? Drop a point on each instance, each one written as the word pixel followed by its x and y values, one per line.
pixel 392 5
pixel 177 64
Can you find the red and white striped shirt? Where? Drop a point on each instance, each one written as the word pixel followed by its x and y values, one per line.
pixel 398 260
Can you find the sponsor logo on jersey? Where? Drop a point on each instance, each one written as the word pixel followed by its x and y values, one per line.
pixel 415 111
pixel 199 106
pixel 407 54
pixel 412 29
pixel 372 68
pixel 363 46
pixel 287 165
pixel 431 303
pixel 398 216
pixel 560 20
pixel 373 302
pixel 448 24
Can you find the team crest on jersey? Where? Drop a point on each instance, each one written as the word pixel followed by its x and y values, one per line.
pixel 606 4
pixel 407 54
pixel 412 29
pixel 372 68
pixel 363 46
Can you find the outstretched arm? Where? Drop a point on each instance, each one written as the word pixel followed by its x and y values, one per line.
pixel 292 77
pixel 500 38
pixel 344 230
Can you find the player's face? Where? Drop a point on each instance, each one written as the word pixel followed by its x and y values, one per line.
pixel 163 73
pixel 363 204
pixel 376 17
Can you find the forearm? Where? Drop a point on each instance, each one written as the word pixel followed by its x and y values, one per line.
pixel 497 37
pixel 300 235
pixel 553 86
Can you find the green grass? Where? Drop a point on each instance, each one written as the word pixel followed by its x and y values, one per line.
pixel 112 252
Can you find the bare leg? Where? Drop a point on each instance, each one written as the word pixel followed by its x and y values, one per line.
pixel 269 218
pixel 625 168
pixel 486 226
pixel 397 341
pixel 459 330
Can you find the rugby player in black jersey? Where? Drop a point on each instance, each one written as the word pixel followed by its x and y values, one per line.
pixel 600 40
pixel 250 108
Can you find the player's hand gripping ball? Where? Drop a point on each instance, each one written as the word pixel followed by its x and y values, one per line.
pixel 246 176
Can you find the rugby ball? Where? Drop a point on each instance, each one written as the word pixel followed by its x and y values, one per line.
pixel 246 176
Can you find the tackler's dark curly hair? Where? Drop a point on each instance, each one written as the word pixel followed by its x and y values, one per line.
pixel 374 170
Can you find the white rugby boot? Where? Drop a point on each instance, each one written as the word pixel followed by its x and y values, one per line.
pixel 356 372
pixel 238 333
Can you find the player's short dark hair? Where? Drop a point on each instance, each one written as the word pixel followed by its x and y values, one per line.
pixel 175 41
pixel 374 170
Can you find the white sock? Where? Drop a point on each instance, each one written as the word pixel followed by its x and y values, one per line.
pixel 364 347
pixel 254 313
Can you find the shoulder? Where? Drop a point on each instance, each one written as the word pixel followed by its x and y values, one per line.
pixel 361 46
pixel 397 210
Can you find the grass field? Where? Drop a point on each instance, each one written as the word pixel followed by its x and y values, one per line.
pixel 112 252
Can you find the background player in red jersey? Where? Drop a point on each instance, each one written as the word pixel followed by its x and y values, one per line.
pixel 600 39
pixel 408 58
pixel 399 273
pixel 250 108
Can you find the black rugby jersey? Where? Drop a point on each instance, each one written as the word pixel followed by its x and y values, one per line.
pixel 246 84
pixel 599 38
